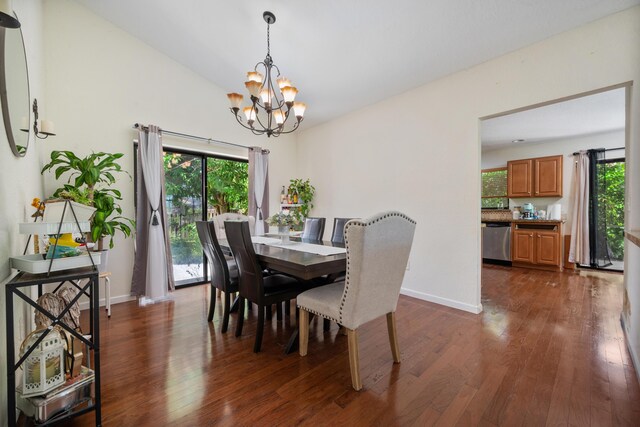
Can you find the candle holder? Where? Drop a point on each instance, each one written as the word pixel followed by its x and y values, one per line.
pixel 46 126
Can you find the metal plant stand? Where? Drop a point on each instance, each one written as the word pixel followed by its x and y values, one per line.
pixel 14 288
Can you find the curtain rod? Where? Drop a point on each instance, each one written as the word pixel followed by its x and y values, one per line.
pixel 186 135
pixel 603 149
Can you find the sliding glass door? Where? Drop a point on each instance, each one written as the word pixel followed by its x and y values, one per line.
pixel 198 187
pixel 611 208
pixel 184 196
pixel 227 186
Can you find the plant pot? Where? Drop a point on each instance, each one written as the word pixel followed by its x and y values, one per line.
pixel 283 231
pixel 104 260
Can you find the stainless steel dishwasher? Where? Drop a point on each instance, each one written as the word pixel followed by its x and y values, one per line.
pixel 496 241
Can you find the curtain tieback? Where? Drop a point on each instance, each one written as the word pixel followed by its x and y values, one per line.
pixel 154 220
pixel 259 213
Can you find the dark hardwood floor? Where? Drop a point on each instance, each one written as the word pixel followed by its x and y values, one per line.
pixel 547 350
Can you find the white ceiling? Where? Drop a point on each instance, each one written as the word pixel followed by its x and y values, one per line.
pixel 345 54
pixel 602 112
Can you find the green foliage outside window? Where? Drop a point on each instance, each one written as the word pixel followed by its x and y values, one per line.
pixel 228 185
pixel 227 190
pixel 612 199
pixel 494 189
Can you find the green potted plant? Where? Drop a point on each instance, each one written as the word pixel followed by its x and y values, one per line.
pixel 88 183
pixel 284 220
pixel 305 192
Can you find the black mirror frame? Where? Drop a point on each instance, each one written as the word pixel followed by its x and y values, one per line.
pixel 3 94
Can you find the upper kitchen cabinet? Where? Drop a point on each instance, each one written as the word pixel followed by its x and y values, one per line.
pixel 520 178
pixel 539 177
pixel 548 176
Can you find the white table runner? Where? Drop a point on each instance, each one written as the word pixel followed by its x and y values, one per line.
pixel 299 246
pixel 310 248
pixel 264 240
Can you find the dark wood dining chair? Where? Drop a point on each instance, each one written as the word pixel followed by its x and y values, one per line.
pixel 313 228
pixel 264 291
pixel 337 235
pixel 224 272
pixel 377 253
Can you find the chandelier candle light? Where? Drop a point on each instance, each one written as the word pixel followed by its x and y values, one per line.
pixel 276 104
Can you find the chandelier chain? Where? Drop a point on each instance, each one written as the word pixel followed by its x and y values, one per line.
pixel 268 41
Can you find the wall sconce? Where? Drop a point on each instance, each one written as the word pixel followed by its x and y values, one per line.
pixel 46 126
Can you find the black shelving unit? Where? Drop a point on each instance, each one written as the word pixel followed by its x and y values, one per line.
pixel 14 288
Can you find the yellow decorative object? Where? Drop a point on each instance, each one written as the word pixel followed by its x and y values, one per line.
pixel 65 240
pixel 66 247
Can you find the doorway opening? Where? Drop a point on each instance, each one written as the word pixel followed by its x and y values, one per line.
pixel 536 145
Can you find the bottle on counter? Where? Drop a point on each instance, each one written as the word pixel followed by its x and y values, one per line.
pixel 516 212
pixel 283 196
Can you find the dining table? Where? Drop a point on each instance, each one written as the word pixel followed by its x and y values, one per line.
pixel 292 257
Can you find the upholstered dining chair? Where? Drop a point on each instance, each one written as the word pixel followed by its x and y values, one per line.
pixel 230 216
pixel 224 272
pixel 337 235
pixel 262 290
pixel 313 228
pixel 377 253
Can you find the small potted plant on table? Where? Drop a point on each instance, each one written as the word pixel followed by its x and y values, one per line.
pixel 284 221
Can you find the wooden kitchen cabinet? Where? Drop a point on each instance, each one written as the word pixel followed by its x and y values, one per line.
pixel 539 177
pixel 520 178
pixel 547 180
pixel 537 244
pixel 548 248
pixel 522 246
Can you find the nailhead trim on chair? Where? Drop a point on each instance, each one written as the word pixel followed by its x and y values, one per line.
pixel 360 223
pixel 324 316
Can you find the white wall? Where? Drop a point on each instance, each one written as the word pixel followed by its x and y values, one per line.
pixel 20 182
pixel 100 80
pixel 498 158
pixel 419 152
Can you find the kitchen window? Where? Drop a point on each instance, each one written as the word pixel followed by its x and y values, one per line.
pixel 494 189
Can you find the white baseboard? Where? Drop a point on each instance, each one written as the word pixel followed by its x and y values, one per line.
pixel 634 356
pixel 443 301
pixel 114 300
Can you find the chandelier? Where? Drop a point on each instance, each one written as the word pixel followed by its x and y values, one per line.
pixel 270 109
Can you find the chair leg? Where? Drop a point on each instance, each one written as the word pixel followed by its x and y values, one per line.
pixel 287 308
pixel 354 362
pixel 326 324
pixel 303 328
pixel 260 329
pixel 234 306
pixel 269 312
pixel 225 312
pixel 393 336
pixel 240 316
pixel 279 311
pixel 212 303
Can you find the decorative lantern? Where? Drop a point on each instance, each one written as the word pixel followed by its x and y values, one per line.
pixel 44 367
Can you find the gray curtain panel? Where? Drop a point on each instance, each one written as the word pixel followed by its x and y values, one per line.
pixel 144 219
pixel 258 168
pixel 579 249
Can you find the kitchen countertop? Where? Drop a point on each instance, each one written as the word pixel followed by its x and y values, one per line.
pixel 537 221
pixel 526 221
